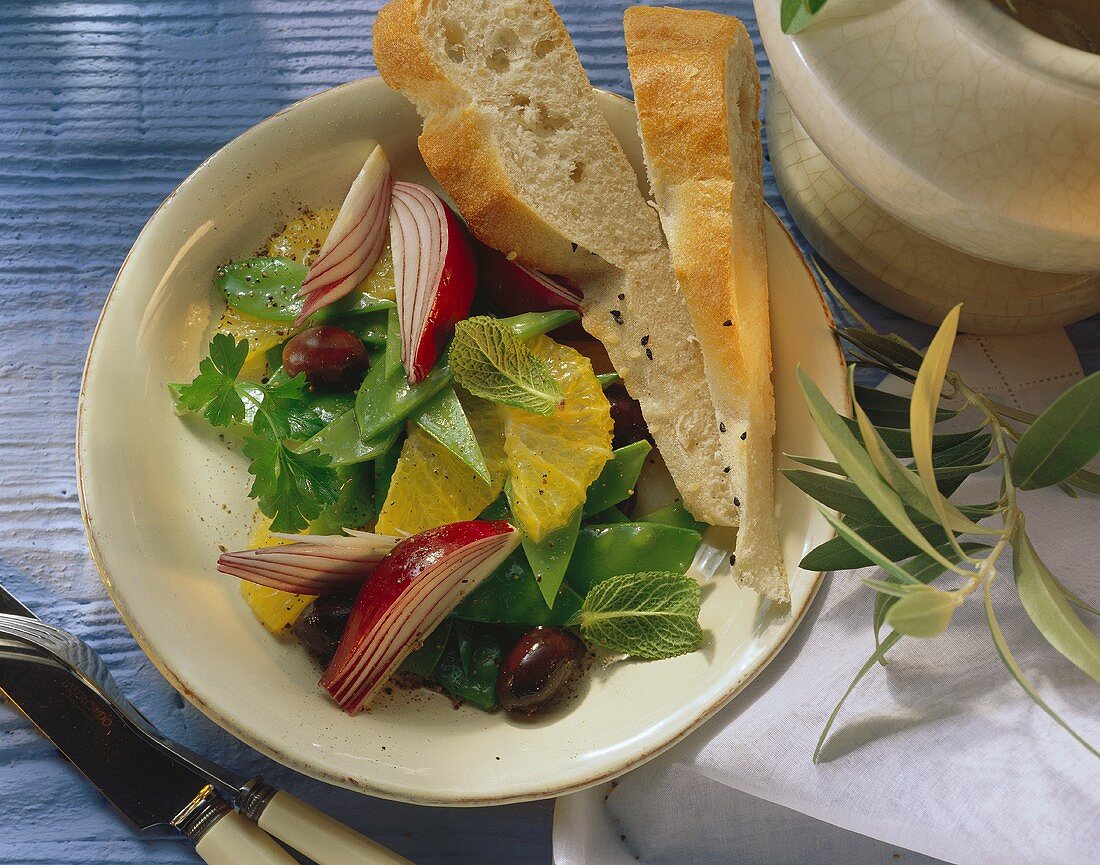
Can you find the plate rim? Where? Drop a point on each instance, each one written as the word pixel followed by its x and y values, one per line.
pixel 272 750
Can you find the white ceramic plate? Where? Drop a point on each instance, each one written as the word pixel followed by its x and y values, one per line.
pixel 160 494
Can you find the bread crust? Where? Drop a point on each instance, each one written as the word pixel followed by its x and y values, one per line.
pixel 631 302
pixel 697 92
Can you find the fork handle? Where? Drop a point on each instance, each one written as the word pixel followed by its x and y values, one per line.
pixel 324 840
pixel 233 840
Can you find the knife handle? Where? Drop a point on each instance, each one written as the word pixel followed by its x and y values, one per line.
pixel 233 840
pixel 302 827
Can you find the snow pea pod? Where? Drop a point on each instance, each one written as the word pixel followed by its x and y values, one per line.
pixel 386 398
pixel 341 441
pixel 425 659
pixel 674 515
pixel 263 287
pixel 385 464
pixel 444 419
pixel 354 507
pixel 616 481
pixel 603 552
pixel 470 664
pixel 511 595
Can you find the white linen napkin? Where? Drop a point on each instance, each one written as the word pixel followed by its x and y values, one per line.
pixel 940 752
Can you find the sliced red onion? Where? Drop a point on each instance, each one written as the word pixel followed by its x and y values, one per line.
pixel 355 241
pixel 516 289
pixel 434 271
pixel 410 592
pixel 323 564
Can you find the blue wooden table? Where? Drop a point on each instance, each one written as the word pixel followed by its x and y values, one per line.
pixel 104 109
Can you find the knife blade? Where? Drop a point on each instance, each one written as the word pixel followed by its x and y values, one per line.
pixel 139 778
pixel 64 688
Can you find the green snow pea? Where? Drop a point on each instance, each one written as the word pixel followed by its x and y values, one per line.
pixel 386 398
pixel 329 406
pixel 263 287
pixel 371 330
pixel 511 595
pixel 357 303
pixel 606 379
pixel 674 515
pixel 616 481
pixel 549 558
pixel 340 439
pixel 444 419
pixel 354 507
pixel 603 552
pixel 385 464
pixel 606 518
pixel 470 664
pixel 425 659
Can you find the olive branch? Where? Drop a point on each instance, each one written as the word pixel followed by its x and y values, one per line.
pixel 893 478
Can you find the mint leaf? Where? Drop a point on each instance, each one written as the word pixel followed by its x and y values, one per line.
pixel 292 488
pixel 213 392
pixel 282 409
pixel 493 363
pixel 649 615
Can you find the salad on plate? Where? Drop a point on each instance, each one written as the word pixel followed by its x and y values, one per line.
pixel 444 462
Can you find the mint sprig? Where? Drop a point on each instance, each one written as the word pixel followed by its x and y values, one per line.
pixel 493 363
pixel 291 487
pixel 651 615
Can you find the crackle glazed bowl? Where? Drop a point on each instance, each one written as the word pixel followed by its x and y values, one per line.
pixel 159 496
pixel 938 151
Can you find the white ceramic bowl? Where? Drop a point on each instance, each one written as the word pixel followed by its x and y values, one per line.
pixel 957 120
pixel 160 494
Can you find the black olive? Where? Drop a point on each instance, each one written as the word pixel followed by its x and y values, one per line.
pixel 536 669
pixel 630 426
pixel 322 625
pixel 327 354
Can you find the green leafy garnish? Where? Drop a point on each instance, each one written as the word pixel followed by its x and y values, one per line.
pixel 283 409
pixel 650 615
pixel 491 362
pixel 899 516
pixel 794 15
pixel 213 393
pixel 291 488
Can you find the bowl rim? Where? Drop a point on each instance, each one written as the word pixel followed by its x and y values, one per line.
pixel 273 749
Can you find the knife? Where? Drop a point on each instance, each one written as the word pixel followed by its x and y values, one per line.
pixel 152 780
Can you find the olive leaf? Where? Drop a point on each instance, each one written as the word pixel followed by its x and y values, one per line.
pixel 858 466
pixel 923 569
pixel 861 545
pixel 1062 439
pixel 900 442
pixel 1049 609
pixel 877 656
pixel 922 411
pixel 1010 664
pixel 794 15
pixel 906 484
pixel 923 612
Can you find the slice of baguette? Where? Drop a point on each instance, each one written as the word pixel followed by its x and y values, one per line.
pixel 697 91
pixel 513 133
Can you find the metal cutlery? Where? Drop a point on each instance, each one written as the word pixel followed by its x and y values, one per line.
pixel 65 689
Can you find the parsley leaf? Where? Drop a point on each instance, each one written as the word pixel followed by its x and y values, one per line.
pixel 214 393
pixel 491 362
pixel 292 488
pixel 282 409
pixel 650 615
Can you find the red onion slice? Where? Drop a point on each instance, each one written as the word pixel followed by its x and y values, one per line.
pixel 355 241
pixel 323 564
pixel 434 272
pixel 410 592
